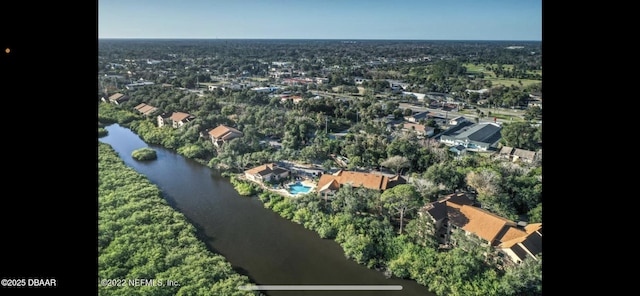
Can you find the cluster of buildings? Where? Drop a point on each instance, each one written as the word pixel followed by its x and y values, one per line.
pixel 515 241
pixel 218 135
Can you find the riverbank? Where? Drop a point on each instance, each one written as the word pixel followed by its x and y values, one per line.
pixel 258 241
pixel 138 230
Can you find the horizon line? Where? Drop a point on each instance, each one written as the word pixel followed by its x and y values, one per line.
pixel 321 287
pixel 337 39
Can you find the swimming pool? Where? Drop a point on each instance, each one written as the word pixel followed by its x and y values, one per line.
pixel 298 188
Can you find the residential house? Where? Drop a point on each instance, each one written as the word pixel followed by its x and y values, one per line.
pixel 359 80
pixel 180 118
pixel 456 211
pixel 516 155
pixel 222 134
pixel 266 173
pixel 421 130
pixel 330 183
pixel 418 96
pixel 117 98
pixel 535 100
pixel 145 109
pixel 458 150
pixel 177 119
pixel 322 80
pixel 397 85
pixel 294 99
pixel 416 117
pixel 475 137
pixel 457 120
pixel 454 107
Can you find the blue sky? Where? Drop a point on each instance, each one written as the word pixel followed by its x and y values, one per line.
pixel 322 19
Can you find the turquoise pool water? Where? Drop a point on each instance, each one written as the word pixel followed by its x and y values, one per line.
pixel 298 188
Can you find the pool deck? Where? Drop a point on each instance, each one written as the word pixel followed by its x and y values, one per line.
pixel 303 182
pixel 308 183
pixel 282 191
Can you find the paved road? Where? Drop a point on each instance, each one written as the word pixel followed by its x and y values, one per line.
pixel 470 116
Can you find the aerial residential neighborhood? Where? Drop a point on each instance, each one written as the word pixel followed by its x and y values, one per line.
pixel 402 150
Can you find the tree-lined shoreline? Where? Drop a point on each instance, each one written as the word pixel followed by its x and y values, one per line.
pixel 140 237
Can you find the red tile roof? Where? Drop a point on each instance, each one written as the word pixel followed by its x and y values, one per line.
pixel 118 97
pixel 225 133
pixel 356 179
pixel 266 169
pixel 179 116
pixel 479 221
pixel 145 109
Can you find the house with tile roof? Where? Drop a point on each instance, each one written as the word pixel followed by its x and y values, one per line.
pixel 117 98
pixel 145 109
pixel 419 129
pixel 457 211
pixel 177 119
pixel 266 173
pixel 475 137
pixel 516 154
pixel 222 134
pixel 331 183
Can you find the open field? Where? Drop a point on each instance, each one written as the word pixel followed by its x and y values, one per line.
pixel 511 82
pixel 504 115
pixel 491 76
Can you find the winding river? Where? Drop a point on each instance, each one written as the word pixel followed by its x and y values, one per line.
pixel 259 243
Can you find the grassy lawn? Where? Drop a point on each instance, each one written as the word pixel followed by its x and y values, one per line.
pixel 491 76
pixel 476 68
pixel 505 117
pixel 511 82
pixel 495 113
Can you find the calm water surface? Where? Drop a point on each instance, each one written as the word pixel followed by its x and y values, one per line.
pixel 258 243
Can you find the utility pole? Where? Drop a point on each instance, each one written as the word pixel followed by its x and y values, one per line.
pixel 325 124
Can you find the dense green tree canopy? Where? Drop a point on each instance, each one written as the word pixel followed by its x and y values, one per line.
pixel 141 237
pixel 520 135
